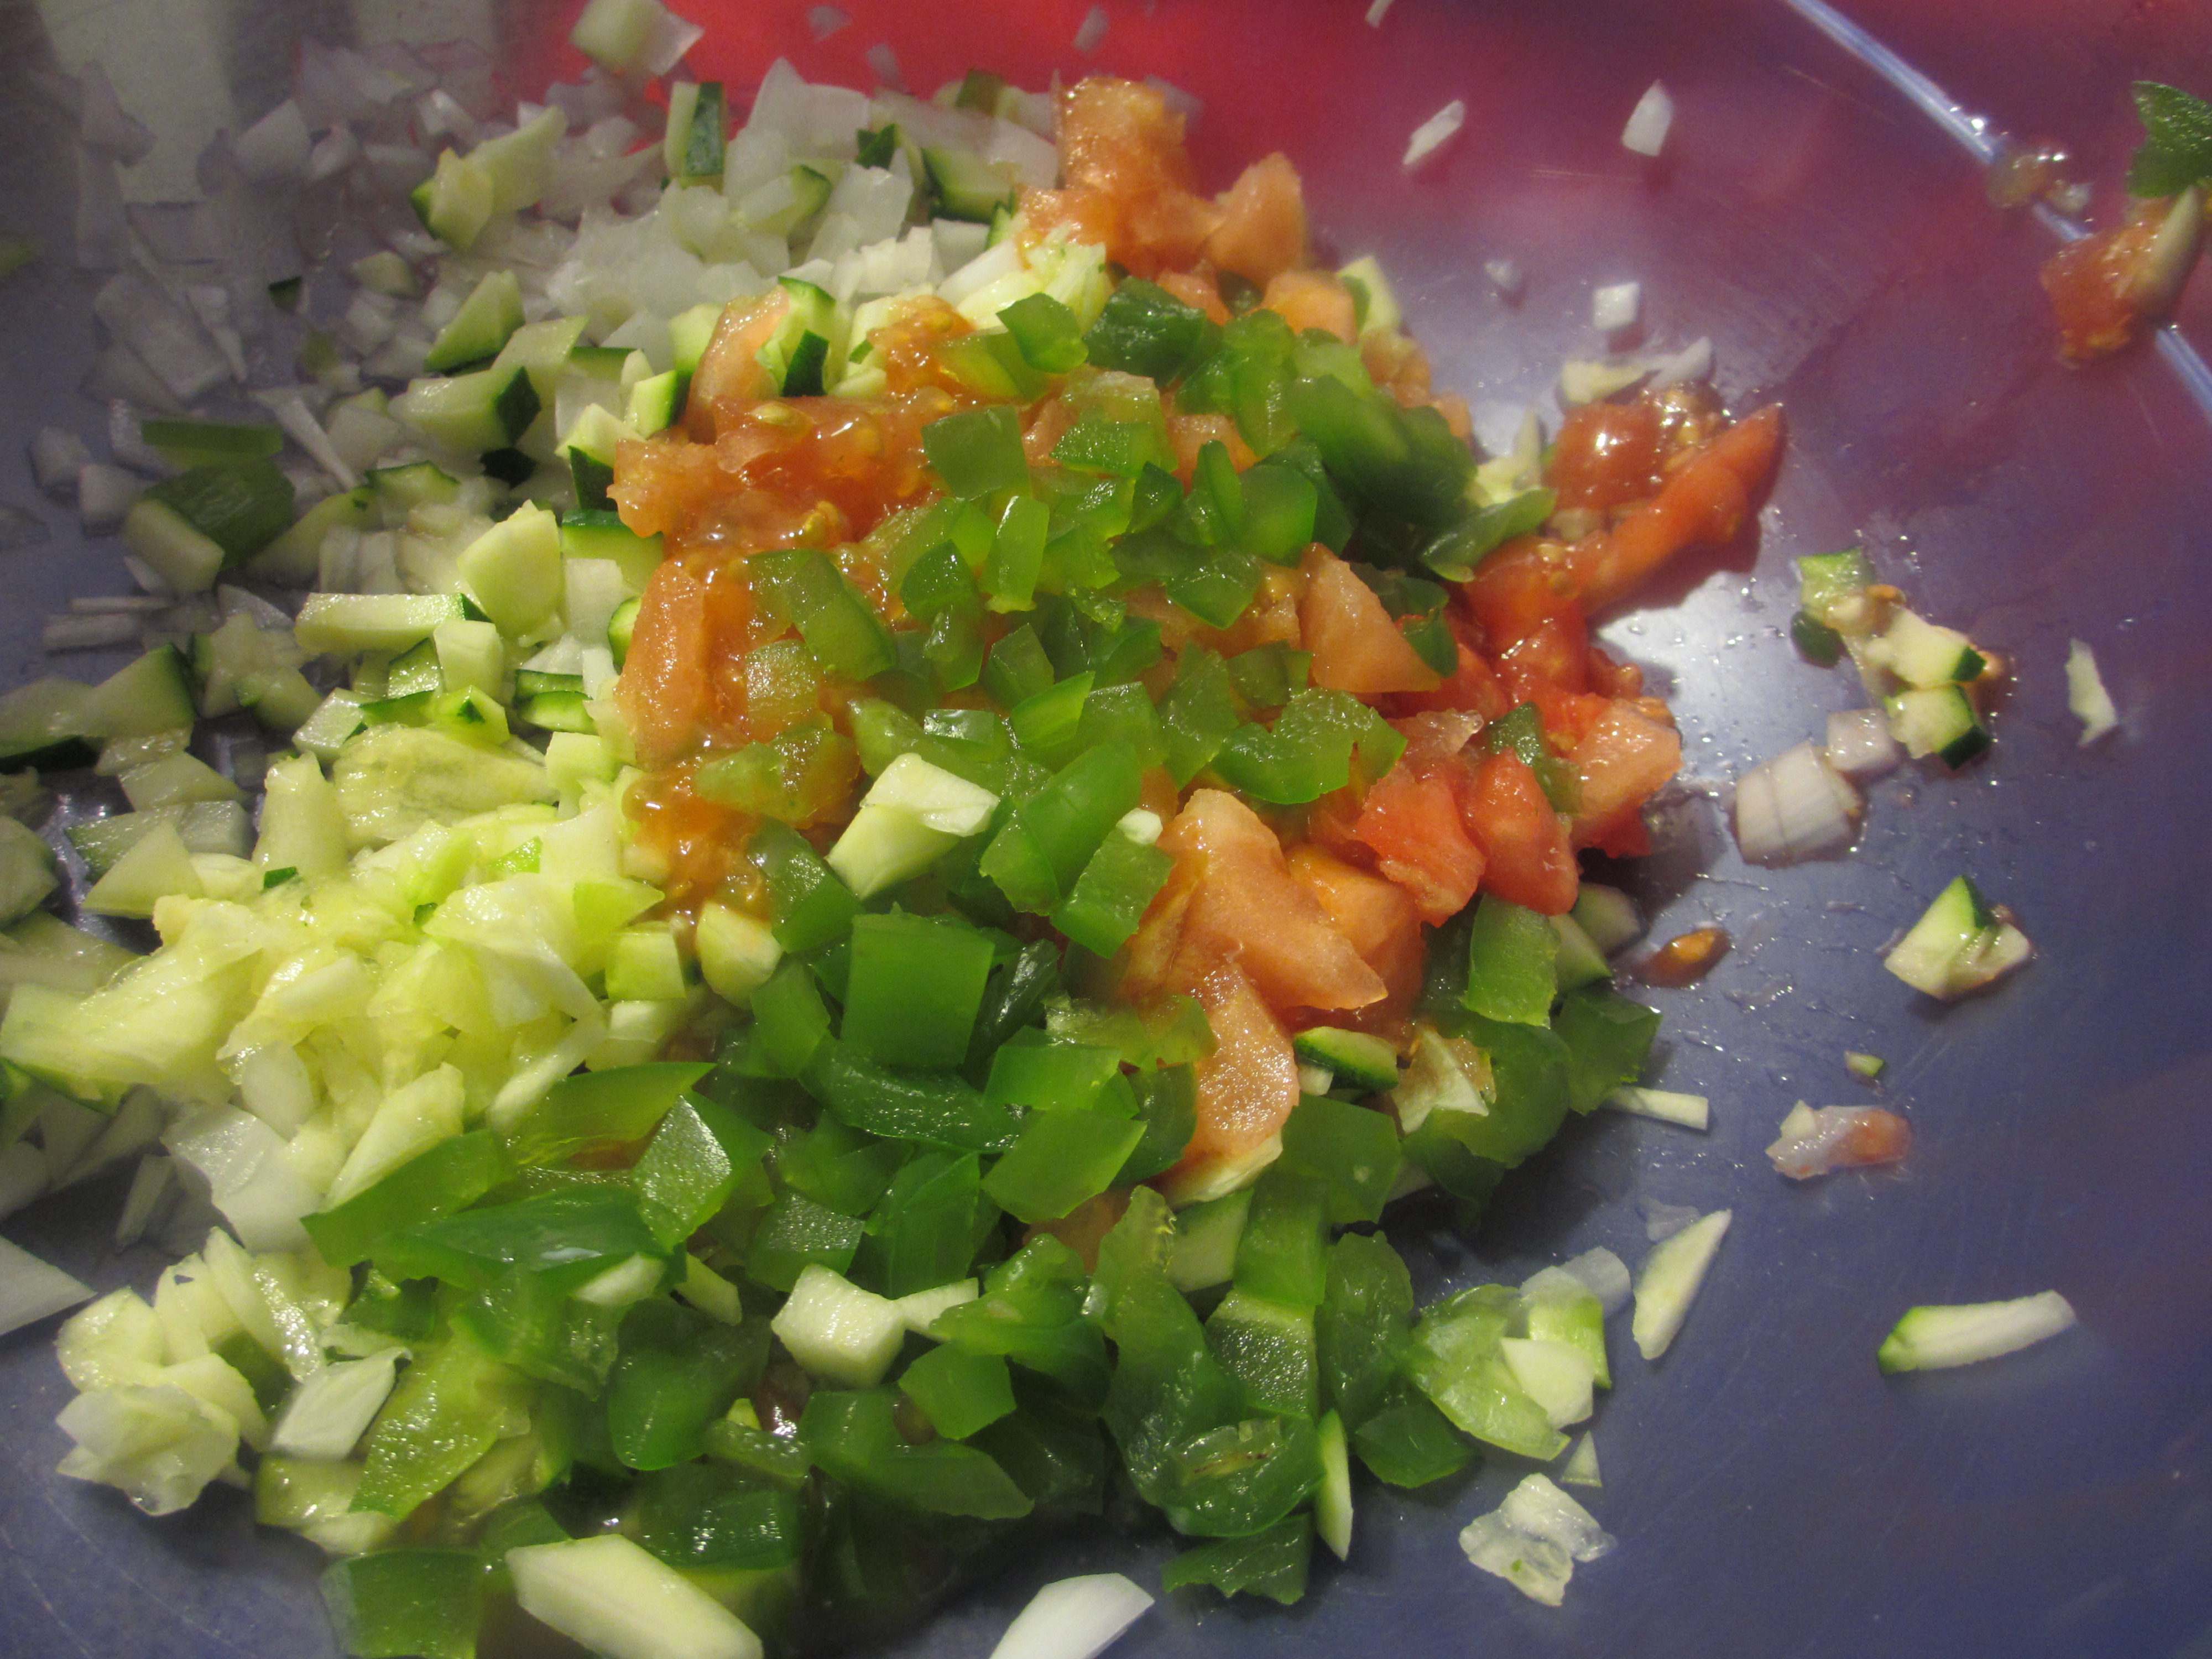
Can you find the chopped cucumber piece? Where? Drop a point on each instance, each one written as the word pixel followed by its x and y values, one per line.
pixel 1961 943
pixel 1669 1281
pixel 488 410
pixel 26 870
pixel 657 403
pixel 1333 1499
pixel 697 132
pixel 1934 1338
pixel 45 724
pixel 1866 1066
pixel 513 570
pixel 966 185
pixel 812 329
pixel 346 624
pixel 152 695
pixel 1366 1063
pixel 1940 722
pixel 455 202
pixel 1691 1111
pixel 291 559
pixel 172 547
pixel 838 1331
pixel 210 443
pixel 486 320
pixel 1923 654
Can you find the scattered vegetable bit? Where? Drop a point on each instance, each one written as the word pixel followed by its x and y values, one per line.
pixel 1691 1111
pixel 1686 958
pixel 1074 1619
pixel 1433 134
pixel 1668 1280
pixel 1650 122
pixel 1533 1539
pixel 1937 1337
pixel 2086 695
pixel 1962 943
pixel 1814 1142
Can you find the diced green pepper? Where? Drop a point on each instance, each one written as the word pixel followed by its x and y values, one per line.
pixel 1060 1159
pixel 397 1603
pixel 916 986
pixel 1272 1563
pixel 698 1515
pixel 853 1437
pixel 924 1232
pixel 1351 1149
pixel 601 1108
pixel 958 1391
pixel 1049 335
pixel 938 1109
pixel 1510 951
pixel 835 618
pixel 978 451
pixel 809 906
pixel 1110 896
pixel 697 1159
pixel 448 1176
pixel 1609 1038
pixel 679 1372
pixel 798 1233
pixel 1145 330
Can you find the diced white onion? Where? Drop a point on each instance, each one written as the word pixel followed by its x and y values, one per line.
pixel 274 148
pixel 1694 362
pixel 1646 131
pixel 1506 277
pixel 1793 806
pixel 1691 1111
pixel 307 431
pixel 57 457
pixel 103 123
pixel 1614 307
pixel 1092 31
pixel 2086 695
pixel 1376 13
pixel 1434 133
pixel 1860 744
pixel 1188 104
pixel 1534 1539
pixel 1605 1273
pixel 1074 1619
pixel 882 64
pixel 31 1289
pixel 104 494
pixel 825 21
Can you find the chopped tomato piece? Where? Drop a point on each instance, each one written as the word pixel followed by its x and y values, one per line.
pixel 1356 646
pixel 1262 233
pixel 1129 181
pixel 1528 859
pixel 1706 501
pixel 1313 298
pixel 1412 821
pixel 1607 455
pixel 729 376
pixel 1249 1086
pixel 1623 760
pixel 1474 687
pixel 1196 287
pixel 1231 898
pixel 1379 918
pixel 667 693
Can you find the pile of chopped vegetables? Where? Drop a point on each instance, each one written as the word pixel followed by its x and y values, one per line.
pixel 922 772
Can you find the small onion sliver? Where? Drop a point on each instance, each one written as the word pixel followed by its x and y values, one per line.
pixel 1434 133
pixel 1860 744
pixel 31 1289
pixel 1649 122
pixel 1074 1619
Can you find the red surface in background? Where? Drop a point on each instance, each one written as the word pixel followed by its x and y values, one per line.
pixel 1274 73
